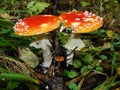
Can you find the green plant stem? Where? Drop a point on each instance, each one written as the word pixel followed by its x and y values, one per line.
pixel 83 78
pixel 113 61
pixel 19 77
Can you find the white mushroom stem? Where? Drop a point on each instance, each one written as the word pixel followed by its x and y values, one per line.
pixel 73 43
pixel 47 57
pixel 45 45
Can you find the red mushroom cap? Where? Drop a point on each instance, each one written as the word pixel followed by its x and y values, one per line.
pixel 59 58
pixel 81 22
pixel 35 25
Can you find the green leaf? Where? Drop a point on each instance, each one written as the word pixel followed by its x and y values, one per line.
pixel 5 23
pixel 30 4
pixel 65 72
pixel 77 63
pixel 88 59
pixel 110 34
pixel 84 3
pixel 114 58
pixel 72 86
pixel 63 38
pixel 100 69
pixel 41 6
pixel 3 70
pixel 84 69
pixel 103 57
pixel 70 74
pixel 35 7
pixel 12 84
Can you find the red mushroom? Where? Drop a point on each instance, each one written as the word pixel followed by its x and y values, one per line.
pixel 35 25
pixel 81 22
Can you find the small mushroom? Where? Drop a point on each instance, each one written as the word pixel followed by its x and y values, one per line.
pixel 36 25
pixel 59 58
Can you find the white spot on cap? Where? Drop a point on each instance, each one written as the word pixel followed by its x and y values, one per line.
pixel 20 33
pixel 47 15
pixel 14 27
pixel 90 13
pixel 97 17
pixel 23 23
pixel 89 19
pixel 85 20
pixel 27 26
pixel 98 23
pixel 93 20
pixel 93 15
pixel 44 25
pixel 86 12
pixel 80 27
pixel 75 24
pixel 94 24
pixel 101 18
pixel 77 19
pixel 87 26
pixel 89 16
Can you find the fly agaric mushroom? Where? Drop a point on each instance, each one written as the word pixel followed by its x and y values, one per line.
pixel 35 25
pixel 79 22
